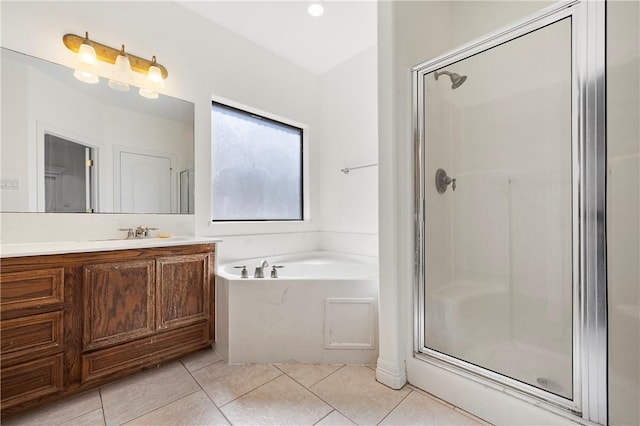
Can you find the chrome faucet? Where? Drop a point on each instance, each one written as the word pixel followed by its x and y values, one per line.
pixel 259 273
pixel 139 232
pixel 143 231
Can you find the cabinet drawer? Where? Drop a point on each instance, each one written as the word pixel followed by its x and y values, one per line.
pixel 135 355
pixel 31 335
pixel 30 380
pixel 31 289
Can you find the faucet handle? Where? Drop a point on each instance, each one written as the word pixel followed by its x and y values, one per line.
pixel 143 231
pixel 274 272
pixel 130 233
pixel 243 273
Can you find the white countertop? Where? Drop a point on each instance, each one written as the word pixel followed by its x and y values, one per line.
pixel 62 247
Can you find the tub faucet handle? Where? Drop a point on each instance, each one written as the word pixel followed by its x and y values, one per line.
pixel 243 273
pixel 274 272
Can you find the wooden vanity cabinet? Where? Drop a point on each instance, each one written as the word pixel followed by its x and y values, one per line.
pixel 31 334
pixel 75 321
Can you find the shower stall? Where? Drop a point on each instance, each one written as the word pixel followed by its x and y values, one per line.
pixel 509 211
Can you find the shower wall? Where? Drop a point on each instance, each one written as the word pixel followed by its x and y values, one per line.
pixel 623 210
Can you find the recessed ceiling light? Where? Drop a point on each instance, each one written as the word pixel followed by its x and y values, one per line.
pixel 315 9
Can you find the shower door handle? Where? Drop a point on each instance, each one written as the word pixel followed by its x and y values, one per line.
pixel 442 181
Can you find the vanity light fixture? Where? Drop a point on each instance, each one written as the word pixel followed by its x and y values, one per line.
pixel 123 72
pixel 85 69
pixel 86 48
pixel 316 8
pixel 154 81
pixel 155 75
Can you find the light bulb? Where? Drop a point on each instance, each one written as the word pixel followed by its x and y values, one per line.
pixel 85 69
pixel 87 54
pixel 122 73
pixel 315 9
pixel 155 77
pixel 147 93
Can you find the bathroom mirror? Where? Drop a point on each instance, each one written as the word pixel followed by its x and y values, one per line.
pixel 69 146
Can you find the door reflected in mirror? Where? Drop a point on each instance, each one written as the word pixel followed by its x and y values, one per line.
pixel 73 147
pixel 68 176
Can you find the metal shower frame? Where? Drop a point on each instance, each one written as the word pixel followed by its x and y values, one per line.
pixel 588 159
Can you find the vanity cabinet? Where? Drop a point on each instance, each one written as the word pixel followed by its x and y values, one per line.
pixel 31 334
pixel 75 321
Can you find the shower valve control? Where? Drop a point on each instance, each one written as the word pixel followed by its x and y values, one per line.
pixel 442 181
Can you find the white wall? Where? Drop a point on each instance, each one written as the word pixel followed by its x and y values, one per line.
pixel 203 59
pixel 349 134
pixel 623 210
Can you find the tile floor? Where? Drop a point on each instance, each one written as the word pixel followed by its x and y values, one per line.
pixel 202 390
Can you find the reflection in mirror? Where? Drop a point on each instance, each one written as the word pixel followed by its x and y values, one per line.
pixel 68 174
pixel 73 147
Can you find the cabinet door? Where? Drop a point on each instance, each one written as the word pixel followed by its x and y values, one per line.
pixel 183 290
pixel 118 302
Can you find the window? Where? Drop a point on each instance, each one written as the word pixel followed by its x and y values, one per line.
pixel 256 166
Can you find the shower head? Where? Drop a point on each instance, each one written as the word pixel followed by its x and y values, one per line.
pixel 456 79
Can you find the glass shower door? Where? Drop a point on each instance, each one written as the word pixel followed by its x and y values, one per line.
pixel 498 229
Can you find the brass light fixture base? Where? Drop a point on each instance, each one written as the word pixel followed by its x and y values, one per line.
pixel 108 54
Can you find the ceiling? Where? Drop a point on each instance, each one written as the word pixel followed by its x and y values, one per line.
pixel 285 28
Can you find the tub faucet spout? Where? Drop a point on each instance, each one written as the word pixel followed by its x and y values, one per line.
pixel 259 273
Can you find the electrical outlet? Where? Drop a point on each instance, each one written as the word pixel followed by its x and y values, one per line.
pixel 10 183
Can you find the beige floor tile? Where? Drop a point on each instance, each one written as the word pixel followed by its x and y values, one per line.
pixel 335 418
pixel 224 383
pixel 417 409
pixel 194 409
pixel 134 396
pixel 477 419
pixel 94 418
pixel 428 395
pixel 58 412
pixel 201 359
pixel 354 391
pixel 282 401
pixel 308 374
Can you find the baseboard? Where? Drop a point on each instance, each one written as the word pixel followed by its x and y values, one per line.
pixel 391 375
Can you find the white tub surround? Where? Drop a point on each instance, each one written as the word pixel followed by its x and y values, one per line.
pixel 321 309
pixel 62 247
